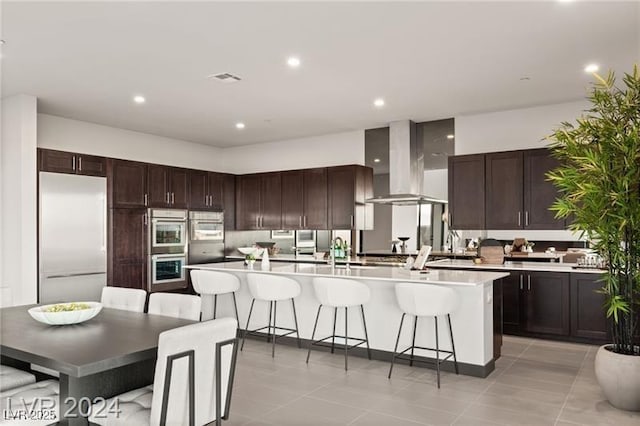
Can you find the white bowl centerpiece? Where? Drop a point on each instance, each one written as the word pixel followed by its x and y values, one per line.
pixel 65 313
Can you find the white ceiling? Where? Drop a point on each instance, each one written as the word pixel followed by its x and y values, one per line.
pixel 427 60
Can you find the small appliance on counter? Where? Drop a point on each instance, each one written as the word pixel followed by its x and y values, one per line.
pixel 490 251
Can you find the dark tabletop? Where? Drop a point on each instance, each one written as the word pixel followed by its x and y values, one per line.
pixel 111 339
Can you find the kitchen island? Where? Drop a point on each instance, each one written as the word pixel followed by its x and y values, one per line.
pixel 473 321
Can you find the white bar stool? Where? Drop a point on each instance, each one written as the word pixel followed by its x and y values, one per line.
pixel 272 288
pixel 422 300
pixel 213 283
pixel 340 293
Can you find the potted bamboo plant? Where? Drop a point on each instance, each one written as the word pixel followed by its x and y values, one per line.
pixel 599 184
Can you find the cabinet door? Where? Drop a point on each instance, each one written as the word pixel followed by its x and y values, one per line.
pixel 216 191
pixel 229 205
pixel 588 317
pixel 127 184
pixel 158 182
pixel 547 302
pixel 56 161
pixel 248 202
pixel 539 194
pixel 466 192
pixel 271 201
pixel 198 189
pixel 315 199
pixel 504 209
pixel 341 197
pixel 128 248
pixel 512 287
pixel 179 188
pixel 293 199
pixel 90 165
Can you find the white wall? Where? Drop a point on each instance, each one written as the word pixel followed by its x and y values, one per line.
pixel 18 220
pixel 89 138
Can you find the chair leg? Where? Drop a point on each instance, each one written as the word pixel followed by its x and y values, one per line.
pixel 366 335
pixel 313 334
pixel 295 319
pixel 235 306
pixel 269 324
pixel 333 337
pixel 395 350
pixel 246 329
pixel 273 342
pixel 437 353
pixel 215 305
pixel 453 347
pixel 413 341
pixel 346 339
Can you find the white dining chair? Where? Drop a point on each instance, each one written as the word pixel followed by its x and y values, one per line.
pixel 175 305
pixel 11 377
pixel 127 299
pixel 195 367
pixel 42 398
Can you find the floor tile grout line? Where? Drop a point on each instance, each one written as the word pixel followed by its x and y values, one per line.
pixel 575 379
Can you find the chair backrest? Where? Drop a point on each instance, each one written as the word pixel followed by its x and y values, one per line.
pixel 425 299
pixel 185 306
pixel 214 282
pixel 201 338
pixel 272 287
pixel 128 299
pixel 340 292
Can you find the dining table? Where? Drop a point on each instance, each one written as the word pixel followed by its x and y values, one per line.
pixel 105 356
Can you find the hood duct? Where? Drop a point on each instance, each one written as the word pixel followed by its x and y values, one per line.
pixel 406 168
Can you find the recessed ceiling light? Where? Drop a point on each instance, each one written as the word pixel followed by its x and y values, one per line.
pixel 450 136
pixel 525 78
pixel 379 102
pixel 139 99
pixel 376 160
pixel 240 126
pixel 293 62
pixel 591 68
pixel 2 42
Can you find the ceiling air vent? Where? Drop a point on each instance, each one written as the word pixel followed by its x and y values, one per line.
pixel 224 77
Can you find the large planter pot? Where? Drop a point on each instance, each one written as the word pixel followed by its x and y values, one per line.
pixel 619 378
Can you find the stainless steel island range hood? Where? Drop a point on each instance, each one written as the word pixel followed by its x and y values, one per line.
pixel 406 168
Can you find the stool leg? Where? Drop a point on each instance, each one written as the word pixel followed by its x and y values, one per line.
pixel 366 335
pixel 295 319
pixel 346 339
pixel 395 350
pixel 273 342
pixel 453 347
pixel 313 335
pixel 437 353
pixel 413 341
pixel 215 305
pixel 269 324
pixel 246 329
pixel 333 337
pixel 235 306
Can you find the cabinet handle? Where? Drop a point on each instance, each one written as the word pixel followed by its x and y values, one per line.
pixel 146 199
pixel 261 221
pixel 305 220
pixel 257 222
pixel 210 200
pixel 528 282
pixel 352 221
pixel 73 163
pixel 144 219
pixel 79 164
pixel 173 198
pixel 206 200
pixel 300 221
pixel 521 280
pixel 526 218
pixel 519 219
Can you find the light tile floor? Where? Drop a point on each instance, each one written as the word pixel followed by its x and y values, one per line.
pixel 536 382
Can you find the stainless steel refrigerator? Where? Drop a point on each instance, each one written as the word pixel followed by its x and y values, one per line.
pixel 72 237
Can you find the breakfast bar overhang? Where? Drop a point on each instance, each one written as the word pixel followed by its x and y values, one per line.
pixel 472 322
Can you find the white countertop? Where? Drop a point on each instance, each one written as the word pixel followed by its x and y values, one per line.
pixel 511 266
pixel 373 273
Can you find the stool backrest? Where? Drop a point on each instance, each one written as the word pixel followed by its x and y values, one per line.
pixel 128 299
pixel 272 287
pixel 175 305
pixel 426 299
pixel 340 291
pixel 201 338
pixel 214 282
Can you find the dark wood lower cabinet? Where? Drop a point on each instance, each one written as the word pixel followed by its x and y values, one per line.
pixel 588 318
pixel 547 303
pixel 512 302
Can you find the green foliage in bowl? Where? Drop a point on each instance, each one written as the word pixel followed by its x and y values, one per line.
pixel 66 307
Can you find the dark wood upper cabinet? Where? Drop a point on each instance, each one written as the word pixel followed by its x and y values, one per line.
pixel 216 191
pixel 229 200
pixel 293 199
pixel 547 303
pixel 248 188
pixel 539 194
pixel 504 190
pixel 127 184
pixel 72 163
pixel 466 192
pixel 168 186
pixel 127 248
pixel 198 189
pixel 348 188
pixel 314 215
pixel 271 201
